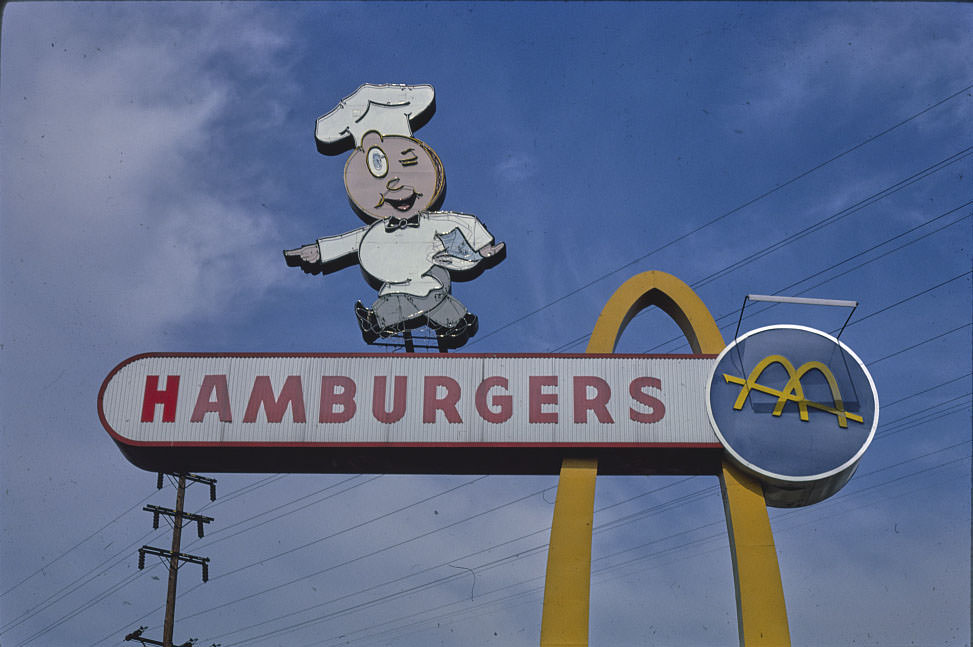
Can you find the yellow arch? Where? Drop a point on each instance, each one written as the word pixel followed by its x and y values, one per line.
pixel 674 297
pixel 761 614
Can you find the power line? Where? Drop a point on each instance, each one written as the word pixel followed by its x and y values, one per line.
pixel 713 221
pixel 68 616
pixel 370 603
pixel 914 296
pixel 846 494
pixel 355 527
pixel 222 537
pixel 840 215
pixel 301 547
pixel 899 464
pixel 847 259
pixel 932 388
pixel 244 490
pixel 518 554
pixel 78 583
pixel 963 407
pixel 481 567
pixel 85 577
pixel 857 255
pixel 600 528
pixel 361 557
pixel 486 512
pixel 887 483
pixel 922 343
pixel 720 536
pixel 611 524
pixel 76 545
pixel 889 307
pixel 933 412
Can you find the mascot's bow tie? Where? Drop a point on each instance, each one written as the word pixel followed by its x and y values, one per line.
pixel 394 223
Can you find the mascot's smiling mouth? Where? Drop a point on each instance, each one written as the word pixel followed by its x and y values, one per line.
pixel 403 204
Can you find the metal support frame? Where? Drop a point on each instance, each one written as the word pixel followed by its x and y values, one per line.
pixel 194 478
pixel 805 301
pixel 761 613
pixel 170 556
pixel 159 510
pixel 409 342
pixel 138 637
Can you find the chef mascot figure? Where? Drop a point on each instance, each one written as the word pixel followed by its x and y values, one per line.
pixel 396 184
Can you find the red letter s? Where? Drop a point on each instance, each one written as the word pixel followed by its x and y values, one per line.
pixel 656 408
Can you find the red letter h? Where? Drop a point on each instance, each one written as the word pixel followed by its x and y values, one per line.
pixel 166 398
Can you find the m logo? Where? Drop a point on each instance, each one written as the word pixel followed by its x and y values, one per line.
pixel 802 456
pixel 793 391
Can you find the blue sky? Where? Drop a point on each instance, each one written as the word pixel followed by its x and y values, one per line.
pixel 157 157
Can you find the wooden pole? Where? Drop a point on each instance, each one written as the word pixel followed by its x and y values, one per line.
pixel 174 563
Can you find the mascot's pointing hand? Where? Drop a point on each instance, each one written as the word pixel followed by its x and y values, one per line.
pixel 308 258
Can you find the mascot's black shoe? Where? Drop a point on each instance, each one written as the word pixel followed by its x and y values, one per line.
pixel 472 324
pixel 370 330
pixel 458 335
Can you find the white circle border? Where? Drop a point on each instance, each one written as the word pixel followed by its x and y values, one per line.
pixel 780 477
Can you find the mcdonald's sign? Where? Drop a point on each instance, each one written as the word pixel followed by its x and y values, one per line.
pixel 796 408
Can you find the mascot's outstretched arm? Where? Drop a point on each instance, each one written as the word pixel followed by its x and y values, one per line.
pixel 327 254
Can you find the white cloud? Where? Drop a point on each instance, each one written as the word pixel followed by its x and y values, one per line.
pixel 848 54
pixel 105 174
pixel 516 166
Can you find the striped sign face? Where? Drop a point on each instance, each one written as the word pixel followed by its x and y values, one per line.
pixel 183 410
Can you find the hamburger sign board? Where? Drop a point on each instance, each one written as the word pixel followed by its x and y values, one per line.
pixel 402 413
pixel 792 406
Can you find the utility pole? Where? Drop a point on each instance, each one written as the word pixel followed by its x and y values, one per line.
pixel 174 562
pixel 174 556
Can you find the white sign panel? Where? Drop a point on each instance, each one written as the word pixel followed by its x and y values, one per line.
pixel 316 400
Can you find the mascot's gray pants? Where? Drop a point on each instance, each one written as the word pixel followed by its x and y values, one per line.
pixel 440 308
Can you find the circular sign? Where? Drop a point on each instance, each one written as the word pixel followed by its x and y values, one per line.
pixel 796 408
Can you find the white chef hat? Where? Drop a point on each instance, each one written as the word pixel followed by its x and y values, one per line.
pixel 390 109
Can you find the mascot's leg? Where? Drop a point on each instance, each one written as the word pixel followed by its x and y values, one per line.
pixel 392 314
pixel 452 322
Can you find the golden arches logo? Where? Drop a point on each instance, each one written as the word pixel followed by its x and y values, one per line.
pixel 793 391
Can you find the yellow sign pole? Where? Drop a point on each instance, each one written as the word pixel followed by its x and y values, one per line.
pixel 566 590
pixel 761 614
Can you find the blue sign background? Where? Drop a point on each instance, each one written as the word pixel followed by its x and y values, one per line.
pixel 785 445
